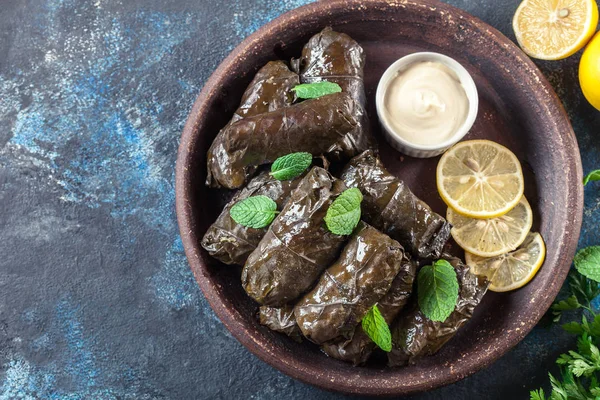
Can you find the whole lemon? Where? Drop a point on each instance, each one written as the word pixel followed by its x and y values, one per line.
pixel 589 72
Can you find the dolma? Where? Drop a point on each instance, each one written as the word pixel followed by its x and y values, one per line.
pixel 351 286
pixel 334 57
pixel 329 125
pixel 358 349
pixel 415 336
pixel 232 243
pixel 280 319
pixel 270 90
pixel 390 206
pixel 297 246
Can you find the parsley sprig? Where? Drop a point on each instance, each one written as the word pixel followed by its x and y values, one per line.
pixel 579 369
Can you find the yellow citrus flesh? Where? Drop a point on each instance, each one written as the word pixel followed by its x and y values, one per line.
pixel 480 179
pixel 494 236
pixel 512 270
pixel 554 29
pixel 589 72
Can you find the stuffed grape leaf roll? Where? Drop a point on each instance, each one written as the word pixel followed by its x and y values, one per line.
pixel 232 243
pixel 391 207
pixel 297 247
pixel 329 125
pixel 359 347
pixel 334 57
pixel 270 90
pixel 226 240
pixel 351 286
pixel 280 319
pixel 415 336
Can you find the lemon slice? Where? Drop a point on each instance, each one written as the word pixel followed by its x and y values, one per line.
pixel 480 179
pixel 494 236
pixel 513 270
pixel 554 29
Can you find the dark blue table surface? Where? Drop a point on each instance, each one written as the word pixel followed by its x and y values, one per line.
pixel 96 297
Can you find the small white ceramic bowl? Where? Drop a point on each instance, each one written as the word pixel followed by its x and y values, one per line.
pixel 419 150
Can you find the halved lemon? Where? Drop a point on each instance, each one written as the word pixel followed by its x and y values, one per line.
pixel 480 179
pixel 513 270
pixel 554 29
pixel 589 72
pixel 494 236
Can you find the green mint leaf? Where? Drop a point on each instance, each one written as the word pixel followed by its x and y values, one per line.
pixel 377 329
pixel 290 166
pixel 315 90
pixel 587 262
pixel 254 211
pixel 437 289
pixel 344 213
pixel 591 177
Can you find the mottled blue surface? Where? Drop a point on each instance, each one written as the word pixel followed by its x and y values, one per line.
pixel 96 297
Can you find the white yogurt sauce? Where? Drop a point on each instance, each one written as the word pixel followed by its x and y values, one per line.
pixel 425 104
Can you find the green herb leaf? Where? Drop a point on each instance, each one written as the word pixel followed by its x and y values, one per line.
pixel 437 289
pixel 579 369
pixel 592 176
pixel 377 329
pixel 290 166
pixel 344 213
pixel 315 90
pixel 537 395
pixel 583 288
pixel 587 262
pixel 569 304
pixel 595 326
pixel 254 211
pixel 573 327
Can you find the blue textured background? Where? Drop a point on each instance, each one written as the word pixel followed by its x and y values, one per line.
pixel 96 297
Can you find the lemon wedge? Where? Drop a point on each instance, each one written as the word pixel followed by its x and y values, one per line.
pixel 554 29
pixel 480 179
pixel 494 236
pixel 589 72
pixel 512 270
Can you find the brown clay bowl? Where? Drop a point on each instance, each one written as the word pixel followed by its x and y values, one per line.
pixel 518 108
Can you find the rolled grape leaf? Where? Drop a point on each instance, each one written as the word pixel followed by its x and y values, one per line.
pixel 329 125
pixel 232 243
pixel 351 286
pixel 280 319
pixel 270 90
pixel 390 206
pixel 359 347
pixel 334 57
pixel 415 336
pixel 297 247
